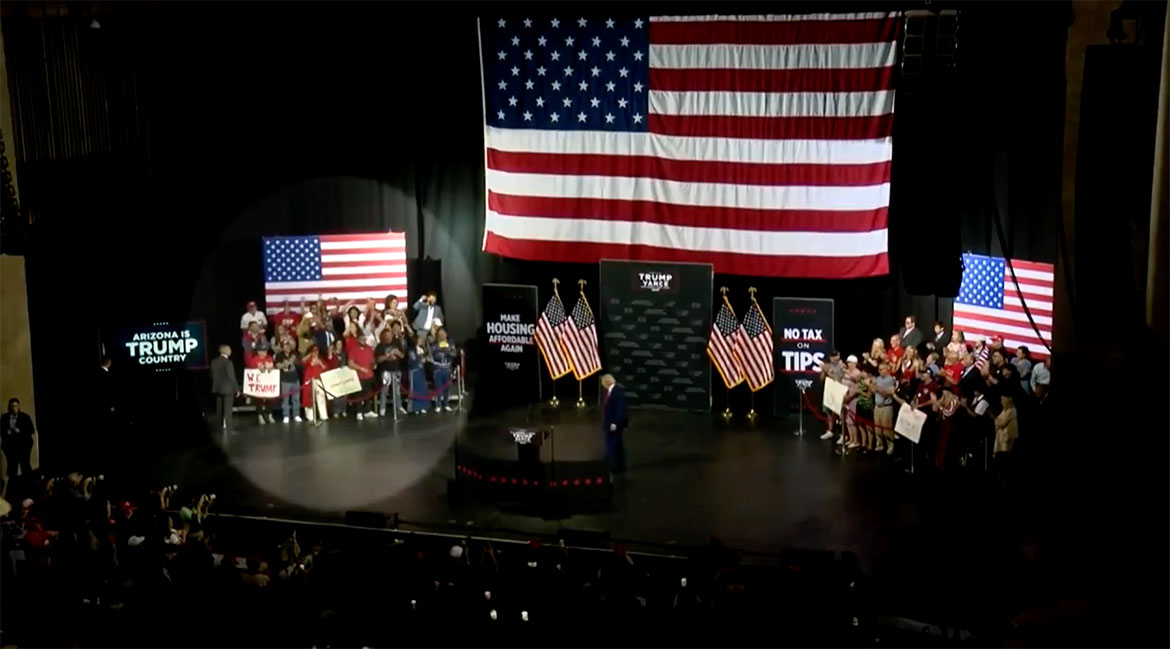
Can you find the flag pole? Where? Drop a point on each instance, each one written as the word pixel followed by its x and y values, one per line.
pixel 726 390
pixel 554 401
pixel 752 412
pixel 580 383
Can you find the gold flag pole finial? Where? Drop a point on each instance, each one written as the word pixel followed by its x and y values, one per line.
pixel 752 292
pixel 723 290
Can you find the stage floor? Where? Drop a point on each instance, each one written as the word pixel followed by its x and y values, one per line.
pixel 755 486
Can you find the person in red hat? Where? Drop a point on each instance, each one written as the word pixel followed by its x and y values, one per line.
pixel 262 360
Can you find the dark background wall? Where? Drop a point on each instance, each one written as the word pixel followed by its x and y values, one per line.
pixel 154 152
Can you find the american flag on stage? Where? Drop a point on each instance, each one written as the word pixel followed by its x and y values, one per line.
pixel 548 338
pixel 989 305
pixel 721 346
pixel 579 336
pixel 349 267
pixel 753 347
pixel 761 144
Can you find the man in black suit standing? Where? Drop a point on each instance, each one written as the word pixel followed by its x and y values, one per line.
pixel 911 334
pixel 224 386
pixel 940 340
pixel 16 433
pixel 970 379
pixel 615 420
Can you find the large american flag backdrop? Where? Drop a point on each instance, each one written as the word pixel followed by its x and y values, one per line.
pixel 761 144
pixel 989 304
pixel 349 267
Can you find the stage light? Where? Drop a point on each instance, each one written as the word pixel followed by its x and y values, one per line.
pixel 598 479
pixel 588 481
pixel 531 564
pixel 493 614
pixel 576 482
pixel 683 582
pixel 492 478
pixel 524 482
pixel 487 594
pixel 524 615
pixel 94 24
pixel 564 483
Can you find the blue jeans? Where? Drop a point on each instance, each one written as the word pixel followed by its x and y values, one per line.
pixel 290 399
pixel 442 375
pixel 418 390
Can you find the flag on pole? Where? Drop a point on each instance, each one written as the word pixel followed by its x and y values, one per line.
pixel 548 338
pixel 990 305
pixel 753 347
pixel 579 336
pixel 720 346
pixel 761 143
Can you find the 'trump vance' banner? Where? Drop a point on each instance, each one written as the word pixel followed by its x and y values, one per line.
pixel 803 330
pixel 509 365
pixel 164 346
pixel 655 319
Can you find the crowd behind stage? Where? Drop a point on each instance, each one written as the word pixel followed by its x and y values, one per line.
pixel 402 365
pixel 89 565
pixel 972 391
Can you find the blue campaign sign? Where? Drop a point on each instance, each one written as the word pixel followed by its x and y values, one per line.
pixel 165 345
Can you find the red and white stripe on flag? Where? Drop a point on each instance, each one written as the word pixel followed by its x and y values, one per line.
pixel 760 144
pixel 349 267
pixel 989 304
pixel 548 339
pixel 753 347
pixel 720 347
pixel 579 337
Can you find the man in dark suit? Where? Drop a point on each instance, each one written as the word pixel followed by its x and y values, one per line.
pixel 427 313
pixel 615 420
pixel 940 340
pixel 911 334
pixel 16 433
pixel 970 379
pixel 224 386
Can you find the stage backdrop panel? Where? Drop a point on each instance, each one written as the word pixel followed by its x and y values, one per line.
pixel 655 319
pixel 803 331
pixel 509 369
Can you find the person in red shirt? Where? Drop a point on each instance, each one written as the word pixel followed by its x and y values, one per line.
pixel 287 319
pixel 310 386
pixel 895 352
pixel 251 339
pixel 953 369
pixel 360 358
pixel 261 360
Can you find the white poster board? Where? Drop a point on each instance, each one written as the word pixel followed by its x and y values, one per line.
pixel 340 382
pixel 262 384
pixel 834 397
pixel 909 424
